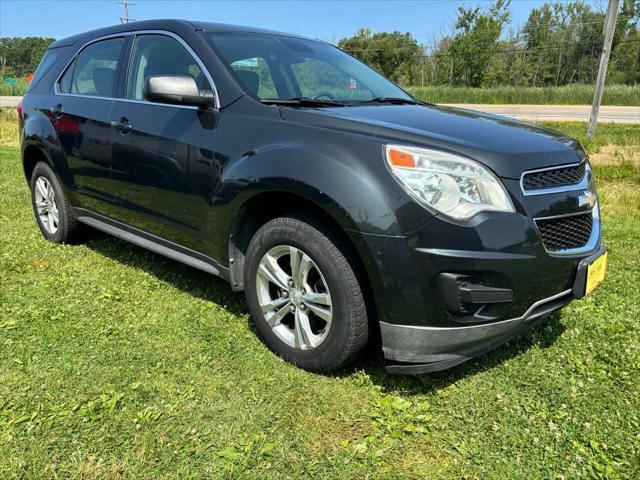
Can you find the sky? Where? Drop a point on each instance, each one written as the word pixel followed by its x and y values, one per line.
pixel 327 20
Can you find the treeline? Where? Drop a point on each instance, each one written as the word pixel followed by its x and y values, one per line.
pixel 560 44
pixel 20 56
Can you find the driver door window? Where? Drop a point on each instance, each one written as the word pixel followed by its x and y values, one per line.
pixel 160 55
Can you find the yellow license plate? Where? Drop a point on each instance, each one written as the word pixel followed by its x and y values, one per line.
pixel 595 273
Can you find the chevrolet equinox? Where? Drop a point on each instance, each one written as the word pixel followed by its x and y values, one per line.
pixel 345 209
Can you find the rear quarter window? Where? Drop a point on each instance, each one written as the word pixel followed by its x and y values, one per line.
pixel 64 85
pixel 44 66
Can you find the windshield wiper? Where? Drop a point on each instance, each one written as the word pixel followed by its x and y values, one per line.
pixel 303 102
pixel 394 100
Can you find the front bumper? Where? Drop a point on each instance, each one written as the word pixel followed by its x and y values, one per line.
pixel 452 290
pixel 423 349
pixel 496 256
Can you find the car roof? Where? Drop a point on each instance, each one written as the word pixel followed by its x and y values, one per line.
pixel 165 24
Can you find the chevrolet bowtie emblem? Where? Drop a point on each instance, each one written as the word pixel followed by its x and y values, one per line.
pixel 588 198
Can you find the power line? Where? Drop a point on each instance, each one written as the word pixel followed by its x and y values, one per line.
pixel 334 13
pixel 357 12
pixel 499 42
pixel 566 28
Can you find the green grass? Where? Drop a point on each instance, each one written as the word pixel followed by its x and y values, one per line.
pixel 9 136
pixel 618 134
pixel 118 363
pixel 566 95
pixel 18 89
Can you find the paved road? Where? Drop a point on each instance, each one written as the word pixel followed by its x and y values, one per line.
pixel 9 101
pixel 525 112
pixel 608 113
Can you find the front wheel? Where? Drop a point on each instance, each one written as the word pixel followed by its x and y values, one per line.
pixel 304 296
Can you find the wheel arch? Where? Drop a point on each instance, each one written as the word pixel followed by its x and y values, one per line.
pixel 268 205
pixel 40 142
pixel 31 156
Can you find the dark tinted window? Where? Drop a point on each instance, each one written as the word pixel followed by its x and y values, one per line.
pixel 160 55
pixel 95 69
pixel 64 85
pixel 45 64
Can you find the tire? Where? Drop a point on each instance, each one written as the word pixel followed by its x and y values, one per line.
pixel 47 196
pixel 314 347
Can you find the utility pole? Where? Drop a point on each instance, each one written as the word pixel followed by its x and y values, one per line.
pixel 608 29
pixel 126 18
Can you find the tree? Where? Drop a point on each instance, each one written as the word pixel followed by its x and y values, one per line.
pixel 625 56
pixel 22 55
pixel 565 41
pixel 559 44
pixel 394 54
pixel 476 42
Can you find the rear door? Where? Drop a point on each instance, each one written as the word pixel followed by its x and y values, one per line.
pixel 163 166
pixel 80 115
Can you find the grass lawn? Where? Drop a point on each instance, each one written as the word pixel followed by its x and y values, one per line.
pixel 18 89
pixel 118 363
pixel 574 94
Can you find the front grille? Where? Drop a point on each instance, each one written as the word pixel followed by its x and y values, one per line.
pixel 563 233
pixel 557 177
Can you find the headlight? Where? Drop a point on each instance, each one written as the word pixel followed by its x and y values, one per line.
pixel 453 185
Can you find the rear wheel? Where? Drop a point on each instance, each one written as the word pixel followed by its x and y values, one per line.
pixel 303 294
pixel 52 210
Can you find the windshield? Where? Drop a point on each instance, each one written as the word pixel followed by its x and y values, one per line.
pixel 281 67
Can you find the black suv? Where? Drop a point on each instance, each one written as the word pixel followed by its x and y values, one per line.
pixel 342 206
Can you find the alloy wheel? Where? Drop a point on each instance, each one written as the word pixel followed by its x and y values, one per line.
pixel 294 297
pixel 46 206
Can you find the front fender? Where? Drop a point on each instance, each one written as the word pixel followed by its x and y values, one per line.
pixel 356 191
pixel 351 184
pixel 326 183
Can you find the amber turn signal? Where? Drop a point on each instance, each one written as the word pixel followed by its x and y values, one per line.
pixel 399 158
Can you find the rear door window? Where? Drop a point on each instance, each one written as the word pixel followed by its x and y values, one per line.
pixel 93 71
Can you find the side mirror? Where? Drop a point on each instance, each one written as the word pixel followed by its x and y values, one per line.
pixel 176 90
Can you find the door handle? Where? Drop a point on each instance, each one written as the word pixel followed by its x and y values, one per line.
pixel 122 125
pixel 57 110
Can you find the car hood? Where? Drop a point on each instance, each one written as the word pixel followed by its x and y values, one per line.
pixel 505 145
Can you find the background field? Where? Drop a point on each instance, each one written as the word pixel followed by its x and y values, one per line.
pixel 18 89
pixel 567 95
pixel 118 363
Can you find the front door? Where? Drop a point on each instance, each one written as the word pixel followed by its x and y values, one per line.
pixel 162 160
